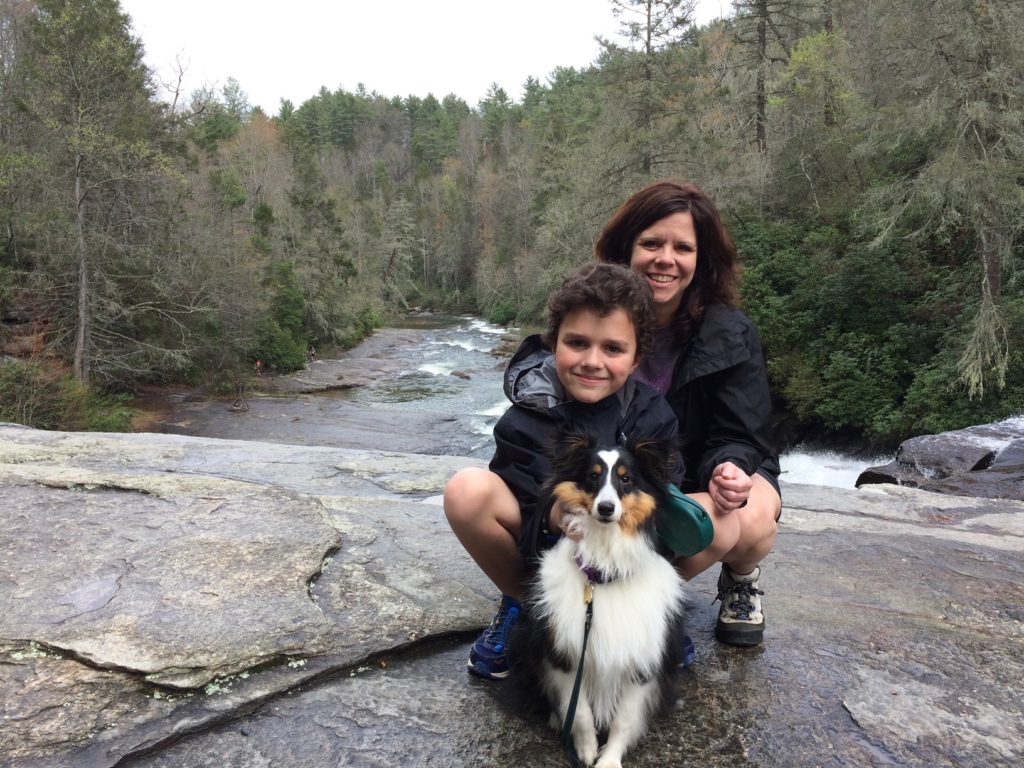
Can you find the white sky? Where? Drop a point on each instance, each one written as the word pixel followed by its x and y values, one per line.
pixel 395 47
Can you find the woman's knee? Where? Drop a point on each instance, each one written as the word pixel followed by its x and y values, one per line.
pixel 764 509
pixel 758 523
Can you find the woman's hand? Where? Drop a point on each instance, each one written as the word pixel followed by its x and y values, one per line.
pixel 729 487
pixel 567 519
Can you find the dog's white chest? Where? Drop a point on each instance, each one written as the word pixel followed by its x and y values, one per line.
pixel 631 616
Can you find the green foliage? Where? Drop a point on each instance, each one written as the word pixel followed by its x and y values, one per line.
pixel 867 156
pixel 435 130
pixel 47 399
pixel 215 128
pixel 282 343
pixel 357 326
pixel 263 219
pixel 219 117
pixel 280 349
pixel 855 335
pixel 332 119
pixel 228 188
pixel 503 312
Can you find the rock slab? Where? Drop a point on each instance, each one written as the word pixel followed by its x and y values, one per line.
pixel 986 460
pixel 173 601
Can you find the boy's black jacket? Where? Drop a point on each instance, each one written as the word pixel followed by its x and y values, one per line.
pixel 541 411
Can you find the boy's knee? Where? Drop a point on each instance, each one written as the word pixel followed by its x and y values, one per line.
pixel 465 493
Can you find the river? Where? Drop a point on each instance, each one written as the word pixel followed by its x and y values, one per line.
pixel 431 384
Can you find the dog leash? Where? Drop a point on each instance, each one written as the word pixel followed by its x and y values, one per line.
pixel 570 715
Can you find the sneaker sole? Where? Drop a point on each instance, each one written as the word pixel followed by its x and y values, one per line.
pixel 485 673
pixel 744 638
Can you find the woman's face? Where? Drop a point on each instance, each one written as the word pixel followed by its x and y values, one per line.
pixel 665 254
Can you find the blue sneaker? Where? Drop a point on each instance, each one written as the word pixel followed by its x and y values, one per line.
pixel 687 653
pixel 489 655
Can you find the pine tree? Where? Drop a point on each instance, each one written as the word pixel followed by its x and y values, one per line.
pixel 959 108
pixel 642 78
pixel 89 94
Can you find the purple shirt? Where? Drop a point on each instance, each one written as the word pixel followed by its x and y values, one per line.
pixel 656 368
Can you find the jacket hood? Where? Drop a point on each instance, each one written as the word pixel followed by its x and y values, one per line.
pixel 530 378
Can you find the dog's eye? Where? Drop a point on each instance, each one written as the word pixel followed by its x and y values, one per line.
pixel 626 480
pixel 595 475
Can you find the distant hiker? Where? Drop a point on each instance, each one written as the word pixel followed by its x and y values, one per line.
pixel 259 367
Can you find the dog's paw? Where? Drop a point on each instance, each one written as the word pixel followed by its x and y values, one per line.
pixel 573 521
pixel 573 527
pixel 608 762
pixel 555 722
pixel 586 747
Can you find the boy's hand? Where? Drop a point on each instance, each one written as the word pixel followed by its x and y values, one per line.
pixel 567 518
pixel 729 487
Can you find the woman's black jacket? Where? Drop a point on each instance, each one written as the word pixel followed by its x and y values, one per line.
pixel 719 392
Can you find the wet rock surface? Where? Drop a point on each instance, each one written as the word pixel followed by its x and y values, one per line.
pixel 180 601
pixel 986 460
pixel 379 355
pixel 391 392
pixel 155 585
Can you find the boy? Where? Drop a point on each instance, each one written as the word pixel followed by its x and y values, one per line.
pixel 576 377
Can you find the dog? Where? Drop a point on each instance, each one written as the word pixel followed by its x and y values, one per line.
pixel 610 555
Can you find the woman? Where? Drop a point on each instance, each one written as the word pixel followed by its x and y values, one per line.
pixel 707 361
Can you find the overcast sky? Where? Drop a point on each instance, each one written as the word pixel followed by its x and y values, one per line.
pixel 395 47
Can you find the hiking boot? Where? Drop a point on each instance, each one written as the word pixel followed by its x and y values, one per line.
pixel 489 655
pixel 740 621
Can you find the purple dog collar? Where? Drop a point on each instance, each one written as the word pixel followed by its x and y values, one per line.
pixel 594 576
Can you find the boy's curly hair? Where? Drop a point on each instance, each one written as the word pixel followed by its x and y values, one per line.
pixel 603 288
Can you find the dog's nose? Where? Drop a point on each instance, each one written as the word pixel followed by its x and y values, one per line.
pixel 605 509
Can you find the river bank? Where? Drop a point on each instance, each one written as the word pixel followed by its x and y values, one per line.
pixel 431 385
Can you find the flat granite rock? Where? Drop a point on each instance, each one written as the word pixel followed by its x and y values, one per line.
pixel 183 597
pixel 189 602
pixel 180 590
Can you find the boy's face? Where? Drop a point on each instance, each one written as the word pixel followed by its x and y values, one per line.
pixel 594 355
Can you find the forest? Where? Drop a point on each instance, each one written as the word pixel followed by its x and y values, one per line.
pixel 868 156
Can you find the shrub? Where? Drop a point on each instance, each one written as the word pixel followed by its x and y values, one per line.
pixel 44 398
pixel 503 312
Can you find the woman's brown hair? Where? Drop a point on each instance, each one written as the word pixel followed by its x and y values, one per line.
pixel 716 280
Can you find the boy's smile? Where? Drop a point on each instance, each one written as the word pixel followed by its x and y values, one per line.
pixel 594 355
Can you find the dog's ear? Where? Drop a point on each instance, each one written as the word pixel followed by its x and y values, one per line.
pixel 569 447
pixel 656 457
